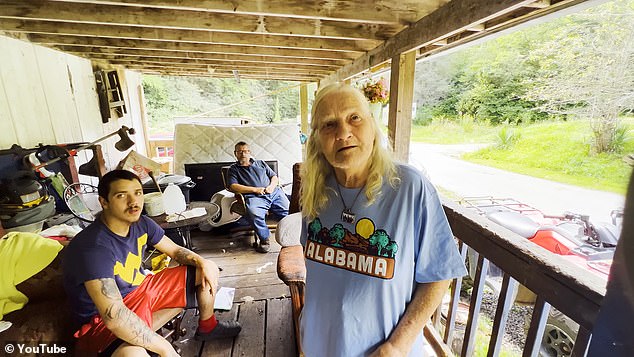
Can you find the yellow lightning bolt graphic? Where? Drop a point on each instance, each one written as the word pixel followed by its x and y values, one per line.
pixel 129 271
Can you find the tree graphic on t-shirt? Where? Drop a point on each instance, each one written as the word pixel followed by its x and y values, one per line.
pixel 366 250
pixel 380 239
pixel 366 239
pixel 313 229
pixel 391 249
pixel 337 232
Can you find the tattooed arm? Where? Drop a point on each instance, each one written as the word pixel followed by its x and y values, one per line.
pixel 208 269
pixel 121 321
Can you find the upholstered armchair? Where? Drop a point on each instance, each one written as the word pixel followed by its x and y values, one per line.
pixel 291 268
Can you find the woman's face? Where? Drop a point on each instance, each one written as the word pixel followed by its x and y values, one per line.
pixel 345 132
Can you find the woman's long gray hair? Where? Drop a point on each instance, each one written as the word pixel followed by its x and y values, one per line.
pixel 316 168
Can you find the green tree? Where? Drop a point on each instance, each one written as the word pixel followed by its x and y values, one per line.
pixel 586 69
pixel 484 82
pixel 168 98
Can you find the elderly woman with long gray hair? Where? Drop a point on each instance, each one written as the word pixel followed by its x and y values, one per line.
pixel 378 248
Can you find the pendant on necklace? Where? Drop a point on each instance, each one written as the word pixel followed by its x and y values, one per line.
pixel 347 216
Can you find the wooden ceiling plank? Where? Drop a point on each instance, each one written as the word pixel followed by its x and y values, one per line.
pixel 192 20
pixel 86 52
pixel 181 46
pixel 539 4
pixel 227 72
pixel 405 12
pixel 297 71
pixel 188 72
pixel 233 65
pixel 96 52
pixel 196 36
pixel 323 69
pixel 436 26
pixel 204 75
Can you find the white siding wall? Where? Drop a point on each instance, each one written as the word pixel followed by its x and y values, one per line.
pixel 49 97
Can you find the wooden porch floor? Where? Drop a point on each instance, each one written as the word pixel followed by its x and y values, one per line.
pixel 262 302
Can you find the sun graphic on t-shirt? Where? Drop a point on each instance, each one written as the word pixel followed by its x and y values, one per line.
pixel 365 227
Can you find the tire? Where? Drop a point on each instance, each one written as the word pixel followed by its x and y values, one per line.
pixel 559 335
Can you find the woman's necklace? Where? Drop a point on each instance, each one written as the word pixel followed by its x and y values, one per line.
pixel 347 215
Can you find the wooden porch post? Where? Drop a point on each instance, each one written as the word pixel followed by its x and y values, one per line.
pixel 303 109
pixel 401 95
pixel 303 105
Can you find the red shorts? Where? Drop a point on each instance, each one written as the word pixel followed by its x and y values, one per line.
pixel 170 288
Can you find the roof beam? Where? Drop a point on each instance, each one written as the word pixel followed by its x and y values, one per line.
pixel 508 21
pixel 194 20
pixel 195 56
pixel 184 47
pixel 241 71
pixel 196 36
pixel 403 11
pixel 539 4
pixel 221 64
pixel 191 73
pixel 456 16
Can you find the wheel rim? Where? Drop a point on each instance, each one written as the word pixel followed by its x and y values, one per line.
pixel 556 343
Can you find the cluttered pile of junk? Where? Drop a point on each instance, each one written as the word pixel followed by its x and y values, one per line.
pixel 45 200
pixel 42 186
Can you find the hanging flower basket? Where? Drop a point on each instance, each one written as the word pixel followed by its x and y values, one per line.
pixel 376 91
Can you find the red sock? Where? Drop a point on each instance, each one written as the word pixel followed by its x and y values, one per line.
pixel 205 326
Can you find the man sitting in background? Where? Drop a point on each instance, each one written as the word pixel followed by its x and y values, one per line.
pixel 255 180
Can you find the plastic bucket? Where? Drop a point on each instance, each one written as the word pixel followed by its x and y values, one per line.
pixel 154 204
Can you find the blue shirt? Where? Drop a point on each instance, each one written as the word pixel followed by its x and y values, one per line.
pixel 258 174
pixel 360 276
pixel 97 253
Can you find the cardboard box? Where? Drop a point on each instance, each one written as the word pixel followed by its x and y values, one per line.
pixel 140 165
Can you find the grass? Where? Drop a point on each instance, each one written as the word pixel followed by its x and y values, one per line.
pixel 446 132
pixel 557 151
pixel 483 336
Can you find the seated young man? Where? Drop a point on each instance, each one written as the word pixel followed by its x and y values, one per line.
pixel 113 299
pixel 259 185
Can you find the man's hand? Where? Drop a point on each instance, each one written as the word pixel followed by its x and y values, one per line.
pixel 210 274
pixel 270 188
pixel 167 350
pixel 208 269
pixel 259 190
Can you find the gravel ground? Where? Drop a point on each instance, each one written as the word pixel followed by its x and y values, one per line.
pixel 516 325
pixel 517 320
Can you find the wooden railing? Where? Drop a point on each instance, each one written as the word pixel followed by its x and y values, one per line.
pixel 555 281
pixel 160 148
pixel 162 151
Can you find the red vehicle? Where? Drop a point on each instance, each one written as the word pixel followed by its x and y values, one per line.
pixel 574 236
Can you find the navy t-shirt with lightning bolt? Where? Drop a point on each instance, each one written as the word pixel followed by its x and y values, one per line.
pixel 97 253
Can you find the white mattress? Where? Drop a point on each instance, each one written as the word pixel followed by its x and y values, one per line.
pixel 203 143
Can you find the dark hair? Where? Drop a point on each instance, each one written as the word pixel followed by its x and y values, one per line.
pixel 104 184
pixel 240 143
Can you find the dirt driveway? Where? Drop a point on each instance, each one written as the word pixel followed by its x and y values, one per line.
pixel 467 179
